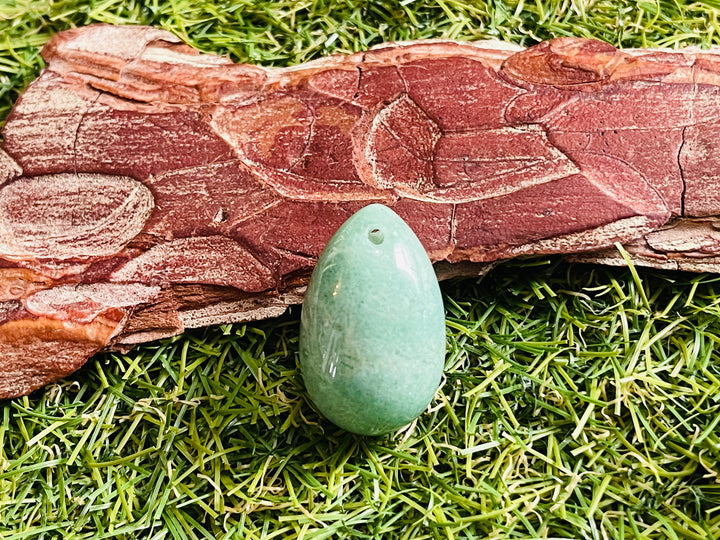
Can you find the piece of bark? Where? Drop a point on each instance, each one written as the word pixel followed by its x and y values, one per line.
pixel 146 188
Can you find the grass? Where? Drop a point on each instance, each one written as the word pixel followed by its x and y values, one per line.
pixel 578 401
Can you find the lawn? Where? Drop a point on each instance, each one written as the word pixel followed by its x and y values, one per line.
pixel 578 401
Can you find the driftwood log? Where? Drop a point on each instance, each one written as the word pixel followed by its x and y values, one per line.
pixel 146 188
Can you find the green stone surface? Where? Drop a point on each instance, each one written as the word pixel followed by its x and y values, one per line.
pixel 372 332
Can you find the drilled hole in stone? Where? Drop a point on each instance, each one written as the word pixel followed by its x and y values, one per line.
pixel 376 236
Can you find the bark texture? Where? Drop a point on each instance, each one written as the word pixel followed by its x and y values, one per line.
pixel 146 188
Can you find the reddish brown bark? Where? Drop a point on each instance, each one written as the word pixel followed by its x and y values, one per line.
pixel 146 188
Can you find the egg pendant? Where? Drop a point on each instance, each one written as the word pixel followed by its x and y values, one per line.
pixel 372 330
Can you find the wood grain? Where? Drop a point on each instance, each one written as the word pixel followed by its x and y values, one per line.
pixel 146 188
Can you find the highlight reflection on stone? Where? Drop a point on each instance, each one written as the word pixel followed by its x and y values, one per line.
pixel 372 335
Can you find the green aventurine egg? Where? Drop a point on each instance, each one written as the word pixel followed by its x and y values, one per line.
pixel 372 332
